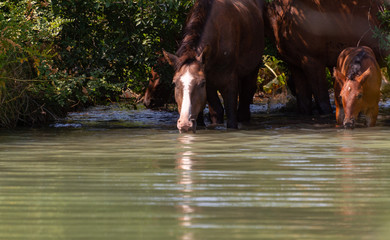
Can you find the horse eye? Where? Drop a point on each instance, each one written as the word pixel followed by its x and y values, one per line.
pixel 202 84
pixel 359 96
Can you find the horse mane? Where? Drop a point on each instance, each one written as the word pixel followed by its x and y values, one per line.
pixel 193 30
pixel 356 65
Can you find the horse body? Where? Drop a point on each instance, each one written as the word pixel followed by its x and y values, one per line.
pixel 357 86
pixel 221 51
pixel 310 34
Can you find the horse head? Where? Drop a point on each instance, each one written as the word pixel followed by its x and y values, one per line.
pixel 352 95
pixel 190 88
pixel 151 93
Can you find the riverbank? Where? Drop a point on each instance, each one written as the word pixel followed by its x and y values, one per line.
pixel 276 112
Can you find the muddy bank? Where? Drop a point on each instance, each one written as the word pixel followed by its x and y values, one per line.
pixel 268 113
pixel 119 115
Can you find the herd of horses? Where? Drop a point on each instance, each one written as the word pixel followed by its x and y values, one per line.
pixel 222 49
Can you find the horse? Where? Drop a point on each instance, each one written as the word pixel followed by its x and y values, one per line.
pixel 149 99
pixel 357 86
pixel 310 34
pixel 157 94
pixel 221 51
pixel 159 91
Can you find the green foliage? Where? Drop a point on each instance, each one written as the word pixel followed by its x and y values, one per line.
pixel 383 34
pixel 27 29
pixel 58 54
pixel 120 38
pixel 272 76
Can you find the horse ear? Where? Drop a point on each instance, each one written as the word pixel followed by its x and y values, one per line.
pixel 339 77
pixel 364 76
pixel 171 58
pixel 204 55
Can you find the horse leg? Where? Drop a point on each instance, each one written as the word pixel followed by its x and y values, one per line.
pixel 216 110
pixel 230 95
pixel 340 114
pixel 200 119
pixel 247 90
pixel 316 76
pixel 339 105
pixel 371 116
pixel 301 89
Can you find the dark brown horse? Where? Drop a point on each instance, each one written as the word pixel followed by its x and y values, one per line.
pixel 310 34
pixel 221 51
pixel 357 86
pixel 159 91
pixel 157 94
pixel 151 90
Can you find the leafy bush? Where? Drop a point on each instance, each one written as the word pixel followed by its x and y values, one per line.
pixel 56 55
pixel 383 34
pixel 122 40
pixel 272 77
pixel 27 29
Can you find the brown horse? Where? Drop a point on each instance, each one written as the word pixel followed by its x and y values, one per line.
pixel 150 93
pixel 159 91
pixel 310 34
pixel 221 51
pixel 357 86
pixel 157 94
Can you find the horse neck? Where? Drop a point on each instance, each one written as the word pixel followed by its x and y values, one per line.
pixel 195 26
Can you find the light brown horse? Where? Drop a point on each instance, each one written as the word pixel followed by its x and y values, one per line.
pixel 357 86
pixel 310 34
pixel 221 51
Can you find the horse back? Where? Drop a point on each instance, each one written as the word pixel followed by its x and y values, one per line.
pixel 349 57
pixel 234 31
pixel 318 28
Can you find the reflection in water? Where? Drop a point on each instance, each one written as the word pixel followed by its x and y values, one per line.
pixel 347 176
pixel 356 170
pixel 184 164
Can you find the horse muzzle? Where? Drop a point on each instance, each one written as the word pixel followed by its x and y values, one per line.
pixel 186 126
pixel 349 123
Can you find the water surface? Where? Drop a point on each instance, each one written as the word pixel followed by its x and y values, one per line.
pixel 273 180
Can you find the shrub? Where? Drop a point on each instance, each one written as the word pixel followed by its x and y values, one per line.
pixel 272 77
pixel 122 40
pixel 383 34
pixel 27 29
pixel 57 55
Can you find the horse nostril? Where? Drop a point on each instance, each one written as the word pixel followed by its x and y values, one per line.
pixel 350 124
pixel 189 125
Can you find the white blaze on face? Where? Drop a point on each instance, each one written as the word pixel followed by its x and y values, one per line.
pixel 186 80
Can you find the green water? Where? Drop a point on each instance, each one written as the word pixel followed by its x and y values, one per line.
pixel 305 183
pixel 148 183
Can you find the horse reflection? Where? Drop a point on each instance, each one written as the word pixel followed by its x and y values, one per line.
pixel 350 179
pixel 184 163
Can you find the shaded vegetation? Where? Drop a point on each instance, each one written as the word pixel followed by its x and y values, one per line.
pixel 383 34
pixel 58 55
